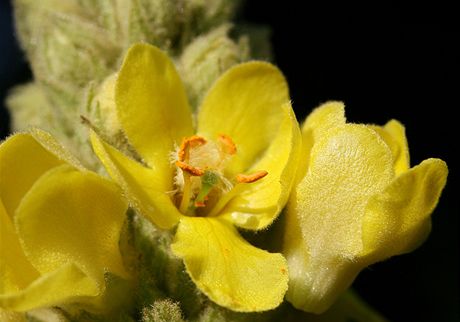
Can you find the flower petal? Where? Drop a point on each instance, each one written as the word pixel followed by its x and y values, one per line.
pixel 348 165
pixel 15 270
pixel 49 143
pixel 260 202
pixel 65 284
pixel 398 132
pixel 69 216
pixel 397 220
pixel 323 118
pixel 394 135
pixel 11 316
pixel 22 161
pixel 229 270
pixel 245 103
pixel 145 191
pixel 152 106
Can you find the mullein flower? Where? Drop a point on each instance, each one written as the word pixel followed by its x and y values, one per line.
pixel 357 202
pixel 232 170
pixel 59 226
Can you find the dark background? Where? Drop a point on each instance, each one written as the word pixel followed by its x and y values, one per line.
pixel 384 62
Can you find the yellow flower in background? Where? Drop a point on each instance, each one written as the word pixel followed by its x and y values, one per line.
pixel 59 226
pixel 357 202
pixel 234 169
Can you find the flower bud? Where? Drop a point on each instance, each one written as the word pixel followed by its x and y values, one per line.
pixel 206 58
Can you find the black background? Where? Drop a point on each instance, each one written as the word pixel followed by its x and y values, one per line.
pixel 384 62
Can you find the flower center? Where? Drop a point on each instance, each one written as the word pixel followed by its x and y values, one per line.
pixel 202 188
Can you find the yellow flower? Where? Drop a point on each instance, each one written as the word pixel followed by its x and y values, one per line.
pixel 59 226
pixel 357 202
pixel 235 171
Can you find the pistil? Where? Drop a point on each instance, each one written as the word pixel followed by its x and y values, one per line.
pixel 208 181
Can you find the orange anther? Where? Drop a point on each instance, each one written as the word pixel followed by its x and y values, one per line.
pixel 194 171
pixel 249 178
pixel 200 204
pixel 227 143
pixel 188 143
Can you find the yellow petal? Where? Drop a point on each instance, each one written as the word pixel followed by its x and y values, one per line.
pixel 296 252
pixel 22 161
pixel 66 284
pixel 245 103
pixel 15 270
pixel 348 165
pixel 141 185
pixel 11 316
pixel 323 118
pixel 397 130
pixel 50 144
pixel 229 270
pixel 260 202
pixel 152 106
pixel 398 219
pixel 394 135
pixel 24 157
pixel 69 216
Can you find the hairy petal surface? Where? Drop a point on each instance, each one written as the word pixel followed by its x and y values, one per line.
pixel 397 220
pixel 141 185
pixel 246 103
pixel 76 217
pixel 348 165
pixel 152 106
pixel 65 284
pixel 394 135
pixel 259 203
pixel 229 270
pixel 323 118
pixel 16 272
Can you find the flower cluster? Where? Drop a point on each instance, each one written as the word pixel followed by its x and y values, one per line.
pixel 349 194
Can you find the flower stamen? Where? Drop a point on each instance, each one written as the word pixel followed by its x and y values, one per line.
pixel 186 194
pixel 202 165
pixel 237 188
pixel 191 170
pixel 188 170
pixel 188 143
pixel 227 144
pixel 250 178
pixel 200 204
